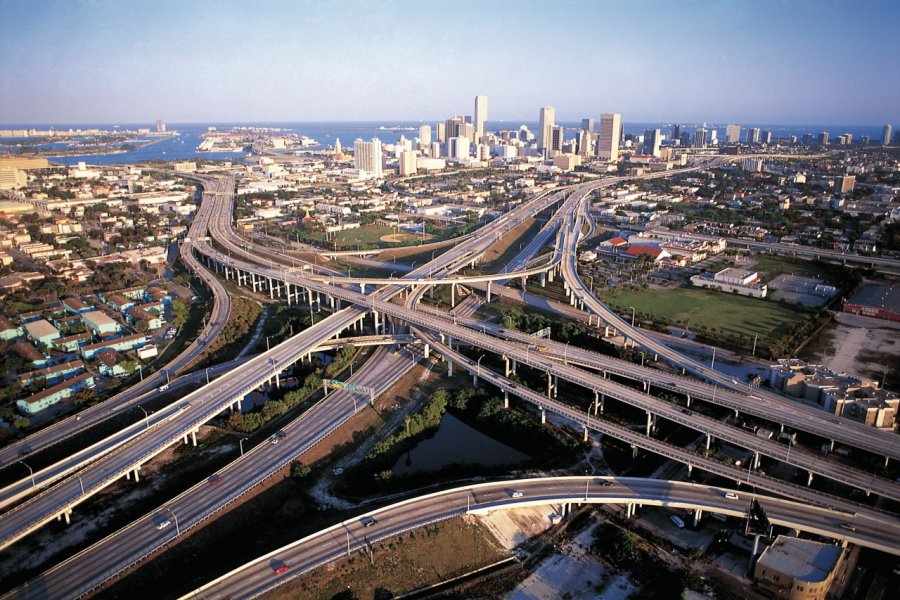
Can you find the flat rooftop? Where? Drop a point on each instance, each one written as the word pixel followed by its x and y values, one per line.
pixel 878 296
pixel 41 328
pixel 803 560
pixel 98 318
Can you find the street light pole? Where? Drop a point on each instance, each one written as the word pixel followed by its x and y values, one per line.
pixel 478 366
pixel 632 315
pixel 146 415
pixel 177 530
pixel 241 444
pixel 712 365
pixel 82 484
pixel 30 471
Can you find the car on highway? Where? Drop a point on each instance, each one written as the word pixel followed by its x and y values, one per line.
pixel 214 479
pixel 368 521
pixel 516 493
pixel 215 323
pixel 280 434
pixel 163 388
pixel 847 526
pixel 163 524
pixel 279 569
pixel 731 495
pixel 606 483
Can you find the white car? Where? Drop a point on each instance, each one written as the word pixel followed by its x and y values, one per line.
pixel 731 495
pixel 517 494
pixel 163 524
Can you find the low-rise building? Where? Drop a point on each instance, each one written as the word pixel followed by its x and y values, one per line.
pixel 41 331
pixel 797 569
pixel 53 375
pixel 100 323
pixel 55 394
pixel 122 344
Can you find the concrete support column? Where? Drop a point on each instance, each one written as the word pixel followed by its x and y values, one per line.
pixel 555 385
pixel 809 480
pixel 505 398
pixel 185 439
pixel 549 385
pixel 543 416
pixel 755 460
pixel 488 296
pixel 690 468
pixel 194 437
pixel 543 280
pixel 514 364
pixel 708 440
pixel 585 433
pixel 271 290
pixel 449 367
pixel 287 288
pixel 831 446
pixel 550 275
pixel 649 423
pixel 688 400
pixel 698 514
pixel 506 365
pixel 137 476
pixel 362 288
pixel 524 284
pixel 67 515
pixel 452 295
pixel 427 350
pixel 474 380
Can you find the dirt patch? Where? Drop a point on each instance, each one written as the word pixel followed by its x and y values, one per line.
pixel 858 346
pixel 499 248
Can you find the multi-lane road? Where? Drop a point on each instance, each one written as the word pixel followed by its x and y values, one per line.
pixel 356 535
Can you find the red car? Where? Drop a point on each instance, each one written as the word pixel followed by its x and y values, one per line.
pixel 214 479
pixel 282 568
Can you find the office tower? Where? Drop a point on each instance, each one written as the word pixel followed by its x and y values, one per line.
pixel 425 135
pixel 435 151
pixel 160 126
pixel 525 134
pixel 732 134
pixel 466 130
pixel 765 137
pixel 651 141
pixel 481 111
pixel 675 132
pixel 587 125
pixel 807 139
pixel 608 140
pixel 451 127
pixel 441 132
pixel 338 150
pixel 407 163
pixel 713 137
pixel 700 137
pixel 367 157
pixel 584 142
pixel 685 139
pixel 823 138
pixel 753 135
pixel 458 147
pixel 556 138
pixel 886 135
pixel 546 122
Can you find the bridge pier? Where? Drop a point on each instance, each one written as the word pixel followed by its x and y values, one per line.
pixel 690 469
pixel 137 476
pixel 755 460
pixel 488 292
pixel 688 400
pixel 271 289
pixel 649 423
pixel 809 480
pixel 194 437
pixel 708 441
pixel 549 385
pixel 506 365
pixel 452 295
pixel 555 385
pixel 514 364
pixel 585 433
pixel 543 280
pixel 698 514
pixel 427 350
pixel 505 398
pixel 543 416
pixel 550 275
pixel 449 367
pixel 362 289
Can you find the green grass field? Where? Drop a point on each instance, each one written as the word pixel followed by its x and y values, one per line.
pixel 719 312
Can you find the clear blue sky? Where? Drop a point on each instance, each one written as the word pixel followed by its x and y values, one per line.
pixel 763 61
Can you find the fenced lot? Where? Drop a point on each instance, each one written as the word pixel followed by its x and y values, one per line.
pixel 716 312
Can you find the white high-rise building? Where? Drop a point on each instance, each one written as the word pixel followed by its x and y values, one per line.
pixel 481 112
pixel 547 121
pixel 425 135
pixel 407 163
pixel 435 151
pixel 608 140
pixel 160 126
pixel 367 157
pixel 458 148
pixel 732 134
pixel 886 135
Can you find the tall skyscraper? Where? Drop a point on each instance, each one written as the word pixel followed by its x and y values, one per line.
pixel 481 115
pixel 732 134
pixel 407 163
pixel 367 157
pixel 886 135
pixel 584 143
pixel 161 126
pixel 753 135
pixel 451 127
pixel 608 140
pixel 441 132
pixel 823 138
pixel 700 137
pixel 651 141
pixel 675 132
pixel 546 122
pixel 458 148
pixel 587 125
pixel 765 137
pixel 425 135
pixel 467 130
pixel 556 138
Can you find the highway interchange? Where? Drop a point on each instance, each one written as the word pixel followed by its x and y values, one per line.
pixel 181 418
